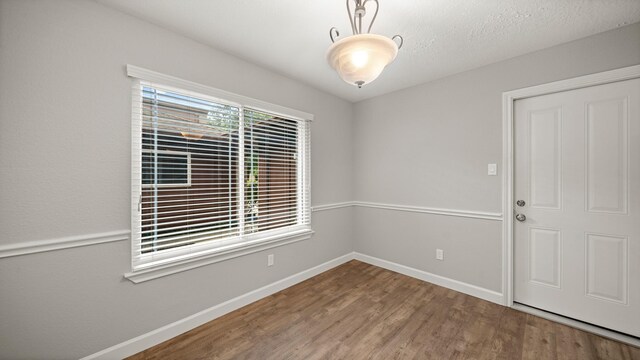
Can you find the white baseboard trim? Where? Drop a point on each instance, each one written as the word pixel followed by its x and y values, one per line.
pixel 32 247
pixel 174 329
pixel 456 285
pixel 145 341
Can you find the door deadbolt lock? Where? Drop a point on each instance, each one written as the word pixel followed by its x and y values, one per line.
pixel 520 203
pixel 521 217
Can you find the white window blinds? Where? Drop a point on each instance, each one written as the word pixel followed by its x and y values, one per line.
pixel 210 174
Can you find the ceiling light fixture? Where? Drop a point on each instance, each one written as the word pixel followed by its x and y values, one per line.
pixel 359 59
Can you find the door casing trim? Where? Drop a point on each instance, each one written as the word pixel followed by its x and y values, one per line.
pixel 508 100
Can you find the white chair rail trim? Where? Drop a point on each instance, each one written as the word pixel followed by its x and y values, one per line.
pixel 434 211
pixel 33 247
pixel 410 208
pixel 332 206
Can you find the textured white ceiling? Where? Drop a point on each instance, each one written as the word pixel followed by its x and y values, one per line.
pixel 442 37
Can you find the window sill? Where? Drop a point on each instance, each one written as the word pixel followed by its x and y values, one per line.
pixel 216 255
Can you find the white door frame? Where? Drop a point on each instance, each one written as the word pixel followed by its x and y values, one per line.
pixel 508 100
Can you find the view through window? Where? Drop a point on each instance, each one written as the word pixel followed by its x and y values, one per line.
pixel 215 173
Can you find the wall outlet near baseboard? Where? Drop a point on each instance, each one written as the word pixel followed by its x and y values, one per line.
pixel 439 254
pixel 270 260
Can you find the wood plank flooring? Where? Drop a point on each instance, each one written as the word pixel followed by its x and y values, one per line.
pixel 360 311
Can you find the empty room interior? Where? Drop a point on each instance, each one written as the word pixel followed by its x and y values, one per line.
pixel 375 179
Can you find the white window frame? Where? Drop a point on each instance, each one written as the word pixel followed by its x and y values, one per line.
pixel 171 152
pixel 163 263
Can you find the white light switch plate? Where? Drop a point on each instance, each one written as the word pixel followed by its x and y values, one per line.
pixel 492 169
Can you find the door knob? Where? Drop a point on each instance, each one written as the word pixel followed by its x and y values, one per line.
pixel 521 217
pixel 520 203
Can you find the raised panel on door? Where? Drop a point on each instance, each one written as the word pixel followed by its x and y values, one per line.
pixel 545 157
pixel 545 247
pixel 606 264
pixel 606 153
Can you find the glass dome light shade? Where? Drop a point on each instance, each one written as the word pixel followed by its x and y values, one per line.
pixel 360 59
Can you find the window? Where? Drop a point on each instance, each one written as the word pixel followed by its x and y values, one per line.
pixel 213 176
pixel 166 168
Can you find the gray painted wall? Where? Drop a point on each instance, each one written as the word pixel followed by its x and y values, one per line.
pixel 429 146
pixel 65 170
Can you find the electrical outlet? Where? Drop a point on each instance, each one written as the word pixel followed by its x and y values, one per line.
pixel 439 254
pixel 270 260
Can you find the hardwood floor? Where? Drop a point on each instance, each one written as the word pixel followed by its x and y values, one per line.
pixel 359 311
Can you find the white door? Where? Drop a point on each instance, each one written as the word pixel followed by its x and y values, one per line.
pixel 577 174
